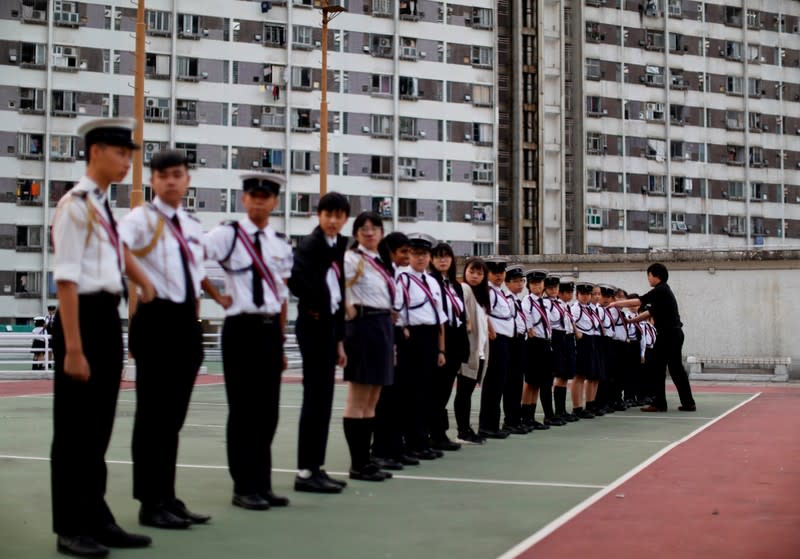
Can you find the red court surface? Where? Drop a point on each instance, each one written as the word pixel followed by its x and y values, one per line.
pixel 730 492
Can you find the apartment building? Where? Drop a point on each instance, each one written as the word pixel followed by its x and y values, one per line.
pixel 412 113
pixel 680 125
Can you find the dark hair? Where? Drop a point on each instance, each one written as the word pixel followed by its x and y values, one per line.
pixel 481 291
pixel 168 158
pixel 333 202
pixel 658 270
pixel 390 244
pixel 624 293
pixel 375 219
pixel 444 249
pixel 633 295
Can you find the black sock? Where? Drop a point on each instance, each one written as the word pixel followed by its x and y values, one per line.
pixel 352 429
pixel 546 397
pixel 527 412
pixel 560 399
pixel 590 405
pixel 533 412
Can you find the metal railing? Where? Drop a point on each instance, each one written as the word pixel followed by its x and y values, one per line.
pixel 19 360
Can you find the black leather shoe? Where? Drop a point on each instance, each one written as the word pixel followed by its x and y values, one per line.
pixel 178 508
pixel 540 426
pixel 445 444
pixel 436 452
pixel 426 454
pixel 515 429
pixel 81 546
pixel 387 463
pixel 340 482
pixel 570 418
pixel 112 535
pixel 370 472
pixel 582 413
pixel 253 501
pixel 407 460
pixel 493 434
pixel 687 408
pixel 275 500
pixel 651 409
pixel 619 406
pixel 158 516
pixel 316 484
pixel 554 421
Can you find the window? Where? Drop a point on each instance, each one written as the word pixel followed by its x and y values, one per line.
pixel 274 34
pixel 32 54
pixel 301 203
pixel 273 117
pixel 677 114
pixel 678 223
pixel 678 150
pixel 271 159
pixel 273 74
pixel 188 26
pixel 655 184
pixel 735 155
pixel 677 79
pixel 733 50
pixel 482 173
pixel 594 105
pixel 481 212
pixel 734 85
pixel 757 156
pixel 482 18
pixel 677 43
pixel 593 34
pixel 407 168
pixel 754 87
pixel 758 191
pixel 654 111
pixel 409 88
pixel 753 19
pixel 382 206
pixel 156 109
pixel 407 208
pixel 301 162
pixel 735 190
pixel 656 221
pixel 654 40
pixel 594 218
pixel 593 69
pixel 482 95
pixel 381 166
pixel 29 237
pixel 654 75
pixel 157 22
pixel 408 10
pixel 65 58
pixel 754 53
pixel 482 134
pixel 734 120
pixel 408 48
pixel 185 111
pixel 408 127
pixel 303 36
pixel 156 65
pixel 595 179
pixel 301 120
pixel 66 13
pixel 755 121
pixel 381 125
pixel 383 8
pixel 656 149
pixel 190 151
pixel 733 16
pixel 482 56
pixel 62 148
pixel 187 68
pixel 31 100
pixel 381 45
pixel 64 103
pixel 301 78
pixel 675 8
pixel 27 283
pixel 381 84
pixel 737 225
pixel 681 186
pixel 595 143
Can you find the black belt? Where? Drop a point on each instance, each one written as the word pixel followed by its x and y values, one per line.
pixel 266 319
pixel 100 297
pixel 362 310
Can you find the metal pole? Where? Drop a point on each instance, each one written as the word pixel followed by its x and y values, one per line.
pixel 137 194
pixel 323 109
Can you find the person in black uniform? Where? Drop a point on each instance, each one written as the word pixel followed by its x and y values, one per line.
pixel 538 373
pixel 517 360
pixel 318 282
pixel 456 343
pixel 663 307
pixel 165 337
pixel 258 262
pixel 87 344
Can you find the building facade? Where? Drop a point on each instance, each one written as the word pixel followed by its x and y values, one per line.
pixel 235 84
pixel 680 126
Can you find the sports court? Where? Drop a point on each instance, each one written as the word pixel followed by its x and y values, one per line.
pixel 618 486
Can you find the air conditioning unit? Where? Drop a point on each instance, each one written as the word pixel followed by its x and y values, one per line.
pixel 467 138
pixel 255 164
pixel 203 161
pixel 257 38
pixel 385 42
pixel 150 146
pixel 467 98
pixel 365 129
pixel 421 134
pixel 316 167
pixel 365 48
pixel 151 102
pixel 256 122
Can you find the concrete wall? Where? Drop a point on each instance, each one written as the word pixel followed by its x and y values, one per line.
pixel 743 304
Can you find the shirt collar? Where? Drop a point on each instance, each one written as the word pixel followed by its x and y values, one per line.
pixel 250 228
pixel 331 241
pixel 166 209
pixel 368 252
pixel 92 188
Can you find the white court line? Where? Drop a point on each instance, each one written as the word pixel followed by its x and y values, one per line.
pixel 292 471
pixel 548 529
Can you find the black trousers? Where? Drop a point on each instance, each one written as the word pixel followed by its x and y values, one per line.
pixel 494 383
pixel 443 380
pixel 387 438
pixel 83 418
pixel 416 359
pixel 632 376
pixel 668 353
pixel 167 342
pixel 462 403
pixel 252 359
pixel 512 391
pixel 317 339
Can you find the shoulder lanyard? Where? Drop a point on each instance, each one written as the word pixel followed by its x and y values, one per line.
pixel 258 262
pixel 454 300
pixel 545 320
pixel 426 290
pixel 496 299
pixel 386 277
pixel 184 246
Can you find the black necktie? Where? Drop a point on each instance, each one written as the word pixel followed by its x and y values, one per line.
pixel 187 275
pixel 258 285
pixel 444 298
pixel 113 223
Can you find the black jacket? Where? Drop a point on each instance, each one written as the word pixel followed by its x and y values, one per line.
pixel 313 258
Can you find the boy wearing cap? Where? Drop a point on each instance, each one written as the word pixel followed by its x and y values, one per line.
pixel 539 353
pixel 165 337
pixel 501 332
pixel 512 394
pixel 586 331
pixel 563 348
pixel 257 261
pixel 318 282
pixel 87 344
pixel 556 321
pixel 421 349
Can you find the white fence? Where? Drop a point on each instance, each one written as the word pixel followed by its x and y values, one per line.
pixel 19 360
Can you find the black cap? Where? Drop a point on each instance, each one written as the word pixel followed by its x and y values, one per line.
pixel 567 285
pixel 607 290
pixel 109 131
pixel 168 158
pixel 51 307
pixel 264 182
pixel 421 240
pixel 552 281
pixel 514 272
pixel 535 275
pixel 496 264
pixel 584 287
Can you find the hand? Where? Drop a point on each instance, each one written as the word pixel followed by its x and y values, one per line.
pixel 441 360
pixel 341 355
pixel 642 360
pixel 284 362
pixel 76 366
pixel 492 334
pixel 148 292
pixel 395 316
pixel 531 333
pixel 350 312
pixel 225 301
pixel 612 305
pixel 406 333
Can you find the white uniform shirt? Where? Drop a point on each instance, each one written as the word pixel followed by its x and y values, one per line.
pixel 84 252
pixel 332 280
pixel 536 308
pixel 619 331
pixel 521 319
pixel 501 312
pixel 584 319
pixel 414 305
pixel 277 255
pixel 163 263
pixel 455 306
pixel 560 317
pixel 649 335
pixel 364 284
pixel 633 330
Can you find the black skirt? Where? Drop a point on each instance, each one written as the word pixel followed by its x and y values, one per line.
pixel 587 361
pixel 369 345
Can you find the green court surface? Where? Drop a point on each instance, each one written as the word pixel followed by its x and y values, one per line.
pixel 475 503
